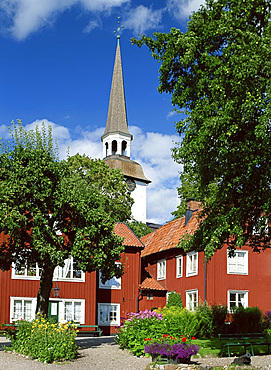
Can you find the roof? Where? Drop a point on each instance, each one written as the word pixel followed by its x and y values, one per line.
pixel 130 239
pixel 117 117
pixel 128 167
pixel 168 235
pixel 151 284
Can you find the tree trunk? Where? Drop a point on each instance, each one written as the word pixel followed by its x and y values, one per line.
pixel 46 283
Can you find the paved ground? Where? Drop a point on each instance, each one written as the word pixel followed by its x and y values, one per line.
pixel 103 353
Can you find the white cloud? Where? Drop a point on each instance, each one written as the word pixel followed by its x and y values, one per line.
pixel 28 16
pixel 92 25
pixel 142 19
pixel 153 151
pixel 181 9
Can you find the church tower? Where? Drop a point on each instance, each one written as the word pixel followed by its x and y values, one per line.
pixel 117 142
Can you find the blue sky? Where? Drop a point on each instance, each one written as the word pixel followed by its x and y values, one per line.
pixel 56 63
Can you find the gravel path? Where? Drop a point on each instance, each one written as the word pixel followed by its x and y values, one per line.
pixel 103 353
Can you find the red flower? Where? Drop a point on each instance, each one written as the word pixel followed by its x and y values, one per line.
pixel 193 338
pixel 165 335
pixel 184 339
pixel 147 339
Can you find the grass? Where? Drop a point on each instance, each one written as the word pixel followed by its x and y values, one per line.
pixel 211 348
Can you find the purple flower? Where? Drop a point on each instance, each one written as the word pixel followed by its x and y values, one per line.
pixel 179 351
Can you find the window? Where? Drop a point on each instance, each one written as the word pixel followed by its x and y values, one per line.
pixel 161 269
pixel 114 283
pixel 109 314
pixel 261 227
pixel 30 271
pixel 238 264
pixel 72 311
pixel 192 264
pixel 70 271
pixel 150 296
pixel 22 308
pixel 192 299
pixel 237 298
pixel 179 266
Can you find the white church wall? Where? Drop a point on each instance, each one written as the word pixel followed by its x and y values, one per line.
pixel 140 200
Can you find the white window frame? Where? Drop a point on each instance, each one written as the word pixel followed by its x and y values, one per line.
pixel 114 283
pixel 237 298
pixel 23 316
pixel 58 272
pixel 61 315
pixel 192 261
pixel 257 229
pixel 107 306
pixel 191 305
pixel 24 272
pixel 67 268
pixel 238 264
pixel 161 269
pixel 179 266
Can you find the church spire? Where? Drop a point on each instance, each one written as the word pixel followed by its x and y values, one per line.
pixel 116 137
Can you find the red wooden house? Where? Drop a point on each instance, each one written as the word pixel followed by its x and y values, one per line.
pixel 241 280
pixel 82 296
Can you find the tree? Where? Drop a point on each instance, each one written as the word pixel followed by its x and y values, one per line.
pixel 52 209
pixel 139 228
pixel 218 73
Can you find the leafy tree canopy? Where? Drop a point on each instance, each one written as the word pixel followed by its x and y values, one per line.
pixel 139 228
pixel 52 209
pixel 218 73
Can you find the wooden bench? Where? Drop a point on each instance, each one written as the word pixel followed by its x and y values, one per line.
pixel 243 340
pixel 95 329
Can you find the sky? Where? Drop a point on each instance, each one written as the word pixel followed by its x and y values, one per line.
pixel 56 64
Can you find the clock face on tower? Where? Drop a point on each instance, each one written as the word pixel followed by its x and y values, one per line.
pixel 130 185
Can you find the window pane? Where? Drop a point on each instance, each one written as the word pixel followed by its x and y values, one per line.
pixel 17 310
pixel 77 311
pixel 68 311
pixel 27 310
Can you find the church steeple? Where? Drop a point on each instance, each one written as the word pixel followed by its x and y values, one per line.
pixel 117 142
pixel 117 138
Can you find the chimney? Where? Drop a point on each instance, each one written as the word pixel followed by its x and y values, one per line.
pixel 192 206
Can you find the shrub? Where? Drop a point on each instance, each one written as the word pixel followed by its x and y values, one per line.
pixel 180 321
pixel 205 318
pixel 219 315
pixel 45 340
pixel 247 320
pixel 174 299
pixel 267 322
pixel 137 327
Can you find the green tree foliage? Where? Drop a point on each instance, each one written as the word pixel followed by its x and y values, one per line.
pixel 139 228
pixel 174 299
pixel 52 209
pixel 218 73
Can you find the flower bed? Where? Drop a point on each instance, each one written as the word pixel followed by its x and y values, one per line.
pixel 170 348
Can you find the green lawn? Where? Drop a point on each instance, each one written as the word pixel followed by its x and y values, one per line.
pixel 211 347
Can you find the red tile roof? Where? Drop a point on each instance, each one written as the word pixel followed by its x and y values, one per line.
pixel 168 235
pixel 130 239
pixel 151 284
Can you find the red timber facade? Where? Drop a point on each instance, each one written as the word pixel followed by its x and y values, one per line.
pixel 82 296
pixel 244 279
